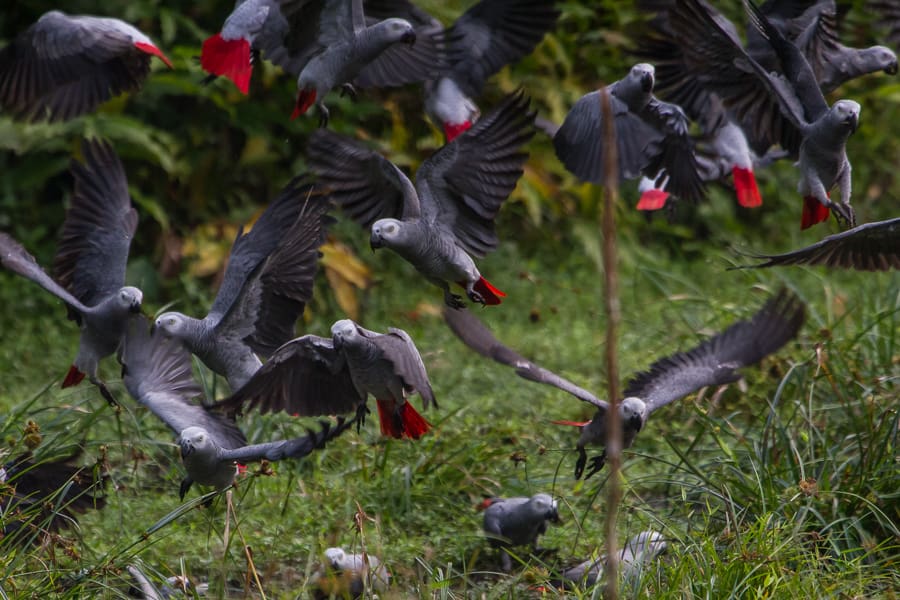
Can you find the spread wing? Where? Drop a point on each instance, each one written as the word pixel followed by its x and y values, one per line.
pixel 675 152
pixel 366 185
pixel 401 353
pixel 275 294
pixel 156 371
pixel 251 249
pixel 463 185
pixel 715 361
pixel 15 258
pixel 65 66
pixel 493 34
pixel 96 235
pixel 293 448
pixel 305 377
pixel 869 247
pixel 479 338
pixel 306 28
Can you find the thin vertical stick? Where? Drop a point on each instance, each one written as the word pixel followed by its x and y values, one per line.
pixel 613 317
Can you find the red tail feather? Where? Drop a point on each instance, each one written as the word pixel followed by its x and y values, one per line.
pixel 652 200
pixel 813 212
pixel 305 99
pixel 453 130
pixel 151 49
pixel 229 58
pixel 745 187
pixel 73 377
pixel 411 424
pixel 491 295
pixel 571 423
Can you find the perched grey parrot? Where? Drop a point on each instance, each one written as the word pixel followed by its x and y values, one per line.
pixel 325 43
pixel 788 108
pixel 714 362
pixel 869 247
pixel 485 38
pixel 90 261
pixel 312 376
pixel 64 65
pixel 156 371
pixel 650 136
pixel 45 495
pixel 268 281
pixel 350 575
pixel 518 521
pixel 448 216
pixel 639 551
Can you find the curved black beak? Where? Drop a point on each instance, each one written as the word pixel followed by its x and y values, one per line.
pixel 647 82
pixel 891 69
pixel 337 341
pixel 375 242
pixel 409 38
pixel 186 449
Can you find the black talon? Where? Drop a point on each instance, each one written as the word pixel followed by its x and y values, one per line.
pixel 579 464
pixel 596 464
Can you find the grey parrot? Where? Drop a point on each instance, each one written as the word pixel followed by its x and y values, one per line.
pixel 64 65
pixel 90 261
pixel 312 376
pixel 714 362
pixel 485 38
pixel 869 247
pixel 639 551
pixel 156 371
pixel 518 521
pixel 325 43
pixel 268 281
pixel 350 575
pixel 789 108
pixel 650 136
pixel 448 216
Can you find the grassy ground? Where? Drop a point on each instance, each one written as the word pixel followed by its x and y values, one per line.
pixel 785 485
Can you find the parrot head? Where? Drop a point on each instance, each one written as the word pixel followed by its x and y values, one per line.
pixel 193 439
pixel 341 331
pixel 846 112
pixel 546 506
pixel 634 413
pixel 386 232
pixel 397 30
pixel 885 56
pixel 130 298
pixel 171 324
pixel 644 73
pixel 335 557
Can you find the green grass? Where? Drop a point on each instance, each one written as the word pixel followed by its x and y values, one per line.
pixel 785 486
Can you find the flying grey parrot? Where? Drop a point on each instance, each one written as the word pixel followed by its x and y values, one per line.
pixel 518 521
pixel 789 108
pixel 714 362
pixel 268 281
pixel 156 371
pixel 869 247
pixel 64 65
pixel 650 136
pixel 45 495
pixel 312 376
pixel 350 575
pixel 325 43
pixel 448 216
pixel 90 261
pixel 639 551
pixel 485 38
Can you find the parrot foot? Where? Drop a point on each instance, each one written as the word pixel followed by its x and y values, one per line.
pixel 104 391
pixel 361 411
pixel 453 300
pixel 845 215
pixel 596 464
pixel 323 116
pixel 347 89
pixel 505 561
pixel 475 297
pixel 580 463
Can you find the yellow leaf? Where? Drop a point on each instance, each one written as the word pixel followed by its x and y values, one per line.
pixel 344 293
pixel 340 258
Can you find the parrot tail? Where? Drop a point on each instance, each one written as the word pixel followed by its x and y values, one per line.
pixel 571 423
pixel 230 58
pixel 73 377
pixel 490 294
pixel 305 99
pixel 813 212
pixel 151 49
pixel 402 421
pixel 745 187
pixel 652 200
pixel 453 130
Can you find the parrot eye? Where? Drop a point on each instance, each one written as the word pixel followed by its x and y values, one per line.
pixel 390 229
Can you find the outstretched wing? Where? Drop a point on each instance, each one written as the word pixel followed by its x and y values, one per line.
pixel 275 294
pixel 869 247
pixel 675 153
pixel 366 185
pixel 294 448
pixel 715 361
pixel 15 258
pixel 156 371
pixel 305 377
pixel 96 235
pixel 479 338
pixel 251 249
pixel 400 351
pixel 463 184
